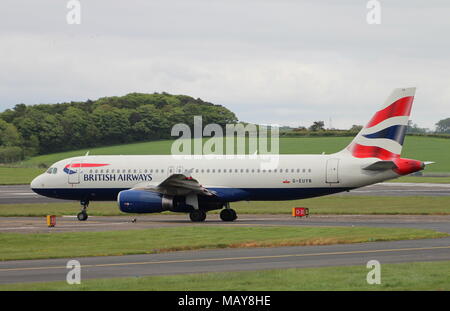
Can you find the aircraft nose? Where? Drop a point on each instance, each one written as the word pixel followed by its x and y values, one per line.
pixel 36 183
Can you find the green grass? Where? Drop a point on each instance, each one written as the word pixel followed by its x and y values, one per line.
pixel 79 244
pixel 421 148
pixel 18 175
pixel 418 179
pixel 338 204
pixel 349 205
pixel 433 276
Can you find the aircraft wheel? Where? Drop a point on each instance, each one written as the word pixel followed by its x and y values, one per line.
pixel 228 214
pixel 82 216
pixel 197 215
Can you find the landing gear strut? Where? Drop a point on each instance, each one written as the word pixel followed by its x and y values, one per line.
pixel 82 216
pixel 228 214
pixel 197 215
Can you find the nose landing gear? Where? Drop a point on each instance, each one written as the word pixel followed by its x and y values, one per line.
pixel 82 216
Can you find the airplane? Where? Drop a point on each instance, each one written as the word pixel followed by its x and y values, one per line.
pixel 157 183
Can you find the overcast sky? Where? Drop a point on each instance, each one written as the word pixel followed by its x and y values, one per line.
pixel 286 62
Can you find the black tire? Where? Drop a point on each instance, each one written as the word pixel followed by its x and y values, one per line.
pixel 82 216
pixel 234 214
pixel 228 214
pixel 197 216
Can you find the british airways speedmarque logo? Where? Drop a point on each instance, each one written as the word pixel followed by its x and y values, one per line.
pixel 70 170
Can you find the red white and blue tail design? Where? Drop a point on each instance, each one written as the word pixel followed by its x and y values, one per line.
pixel 383 136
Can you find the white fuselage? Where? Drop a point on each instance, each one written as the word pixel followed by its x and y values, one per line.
pixel 339 172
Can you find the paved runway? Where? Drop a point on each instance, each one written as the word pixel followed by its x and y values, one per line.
pixel 22 193
pixel 226 259
pixel 107 223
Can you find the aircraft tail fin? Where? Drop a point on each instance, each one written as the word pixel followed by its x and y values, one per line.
pixel 383 135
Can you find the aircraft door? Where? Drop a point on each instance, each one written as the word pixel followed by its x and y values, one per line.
pixel 332 171
pixel 74 171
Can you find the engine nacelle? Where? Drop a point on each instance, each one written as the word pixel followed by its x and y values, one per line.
pixel 140 201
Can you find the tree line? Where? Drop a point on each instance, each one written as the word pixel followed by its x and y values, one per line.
pixel 46 128
pixel 442 127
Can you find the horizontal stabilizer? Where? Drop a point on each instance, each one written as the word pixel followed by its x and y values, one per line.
pixel 380 166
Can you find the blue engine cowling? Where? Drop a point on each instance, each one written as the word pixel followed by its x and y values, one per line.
pixel 140 201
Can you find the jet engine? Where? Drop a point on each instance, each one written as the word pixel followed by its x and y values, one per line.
pixel 140 201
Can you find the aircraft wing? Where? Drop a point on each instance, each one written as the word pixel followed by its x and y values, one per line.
pixel 176 184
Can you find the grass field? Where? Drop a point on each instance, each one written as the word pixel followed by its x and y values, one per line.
pixel 419 179
pixel 18 175
pixel 324 205
pixel 80 244
pixel 421 148
pixel 433 276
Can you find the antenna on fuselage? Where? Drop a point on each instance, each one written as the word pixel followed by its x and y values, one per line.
pixel 87 153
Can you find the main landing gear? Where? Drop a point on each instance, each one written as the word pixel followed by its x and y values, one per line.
pixel 197 215
pixel 82 216
pixel 228 214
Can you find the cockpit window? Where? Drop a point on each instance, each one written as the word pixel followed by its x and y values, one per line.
pixel 52 170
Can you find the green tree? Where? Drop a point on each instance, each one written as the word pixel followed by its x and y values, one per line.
pixel 317 126
pixel 152 124
pixel 112 124
pixel 9 135
pixel 10 154
pixel 356 128
pixel 109 120
pixel 77 127
pixel 443 126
